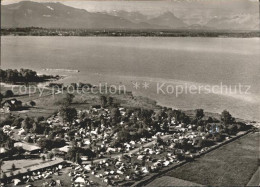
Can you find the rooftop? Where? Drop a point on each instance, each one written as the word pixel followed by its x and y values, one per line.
pixel 27 146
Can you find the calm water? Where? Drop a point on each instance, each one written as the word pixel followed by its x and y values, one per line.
pixel 176 61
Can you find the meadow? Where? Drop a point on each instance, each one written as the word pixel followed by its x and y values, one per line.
pixel 230 165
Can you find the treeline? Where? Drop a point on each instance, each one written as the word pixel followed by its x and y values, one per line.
pixel 34 31
pixel 22 76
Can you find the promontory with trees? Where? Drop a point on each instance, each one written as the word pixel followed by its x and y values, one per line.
pixel 23 76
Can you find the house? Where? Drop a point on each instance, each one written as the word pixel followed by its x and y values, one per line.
pixel 31 148
pixel 11 105
pixel 65 149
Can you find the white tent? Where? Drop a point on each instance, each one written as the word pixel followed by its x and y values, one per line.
pixel 16 181
pixel 80 180
pixel 2 150
pixel 88 167
pixel 60 166
pixel 87 141
pixel 21 132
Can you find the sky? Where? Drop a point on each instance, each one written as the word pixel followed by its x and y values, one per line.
pixel 179 7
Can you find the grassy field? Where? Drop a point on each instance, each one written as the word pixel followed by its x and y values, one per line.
pixel 230 165
pixel 19 164
pixel 47 102
pixel 170 181
pixel 255 180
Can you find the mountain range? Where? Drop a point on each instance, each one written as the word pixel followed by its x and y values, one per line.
pixel 58 15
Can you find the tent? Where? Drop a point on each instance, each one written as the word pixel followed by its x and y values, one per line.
pixel 16 181
pixel 80 180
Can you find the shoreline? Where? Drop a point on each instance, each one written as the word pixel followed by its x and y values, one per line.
pixel 96 78
pixel 158 103
pixel 135 36
pixel 110 32
pixel 67 77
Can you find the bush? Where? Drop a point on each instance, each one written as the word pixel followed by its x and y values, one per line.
pixel 232 129
pixel 9 93
pixel 218 137
pixel 32 103
pixel 50 144
pixel 74 153
pixel 13 167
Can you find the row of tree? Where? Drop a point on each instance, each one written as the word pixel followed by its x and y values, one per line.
pixel 22 76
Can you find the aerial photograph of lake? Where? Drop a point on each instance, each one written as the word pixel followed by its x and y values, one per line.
pixel 129 93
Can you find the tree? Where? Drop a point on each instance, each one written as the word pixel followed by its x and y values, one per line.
pixel 28 139
pixel 78 159
pixel 32 103
pixel 50 155
pixel 123 135
pixel 160 141
pixel 103 101
pixel 27 124
pixel 199 114
pixel 1 164
pixel 9 144
pixel 40 118
pixel 115 114
pixel 6 141
pixel 68 114
pixel 3 177
pixel 9 93
pixel 146 115
pixel 18 150
pixel 75 152
pixel 24 75
pixel 1 98
pixel 13 167
pixel 176 115
pixel 232 129
pixel 35 127
pixel 210 120
pixel 226 117
pixel 45 143
pixel 68 99
pixel 110 101
pixel 2 75
pixel 17 122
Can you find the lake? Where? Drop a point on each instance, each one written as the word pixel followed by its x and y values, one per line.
pixel 173 61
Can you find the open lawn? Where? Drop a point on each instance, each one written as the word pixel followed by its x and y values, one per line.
pixel 48 101
pixel 230 165
pixel 255 180
pixel 20 164
pixel 170 181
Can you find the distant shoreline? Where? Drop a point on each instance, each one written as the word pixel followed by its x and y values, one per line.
pixel 33 31
pixel 65 70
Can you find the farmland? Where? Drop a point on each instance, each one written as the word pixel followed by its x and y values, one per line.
pixel 232 164
pixel 171 181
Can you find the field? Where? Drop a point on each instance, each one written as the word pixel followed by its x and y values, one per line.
pixel 20 164
pixel 230 165
pixel 170 181
pixel 47 102
pixel 255 180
